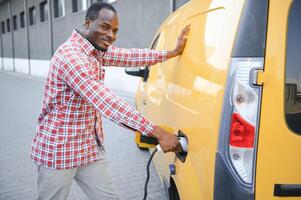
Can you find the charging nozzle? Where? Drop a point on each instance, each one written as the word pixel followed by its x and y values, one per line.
pixel 183 145
pixel 158 147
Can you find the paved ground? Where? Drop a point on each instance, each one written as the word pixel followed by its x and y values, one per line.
pixel 20 102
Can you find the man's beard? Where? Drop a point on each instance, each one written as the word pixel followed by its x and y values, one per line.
pixel 98 47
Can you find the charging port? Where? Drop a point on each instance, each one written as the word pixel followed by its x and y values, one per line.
pixel 181 155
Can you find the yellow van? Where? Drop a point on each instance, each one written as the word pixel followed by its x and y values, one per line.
pixel 235 93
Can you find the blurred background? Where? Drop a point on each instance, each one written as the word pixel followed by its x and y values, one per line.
pixel 31 31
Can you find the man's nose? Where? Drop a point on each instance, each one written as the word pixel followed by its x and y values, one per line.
pixel 111 35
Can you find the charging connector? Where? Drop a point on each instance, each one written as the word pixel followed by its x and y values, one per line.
pixel 183 144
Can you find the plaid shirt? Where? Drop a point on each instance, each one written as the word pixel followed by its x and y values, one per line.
pixel 69 132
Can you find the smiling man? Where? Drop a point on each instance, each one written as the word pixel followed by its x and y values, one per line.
pixel 68 144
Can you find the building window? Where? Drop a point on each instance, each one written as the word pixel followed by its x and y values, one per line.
pixel 22 19
pixel 3 27
pixel 32 15
pixel 15 22
pixel 79 5
pixel 43 11
pixel 110 1
pixel 8 25
pixel 59 8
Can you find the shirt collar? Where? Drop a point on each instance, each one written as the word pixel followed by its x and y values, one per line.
pixel 84 44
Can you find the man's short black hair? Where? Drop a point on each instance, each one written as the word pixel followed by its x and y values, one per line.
pixel 92 12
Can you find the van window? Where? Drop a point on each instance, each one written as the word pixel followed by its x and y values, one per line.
pixel 146 71
pixel 293 69
pixel 178 3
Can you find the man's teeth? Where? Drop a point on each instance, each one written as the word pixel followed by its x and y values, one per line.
pixel 107 43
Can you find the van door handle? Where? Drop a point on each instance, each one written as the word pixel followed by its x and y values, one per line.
pixel 144 102
pixel 257 77
pixel 287 190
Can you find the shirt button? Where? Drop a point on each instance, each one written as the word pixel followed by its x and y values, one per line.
pixel 94 52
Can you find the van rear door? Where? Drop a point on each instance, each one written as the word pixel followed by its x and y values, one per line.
pixel 278 170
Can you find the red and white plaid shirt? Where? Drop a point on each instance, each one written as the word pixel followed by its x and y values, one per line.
pixel 75 98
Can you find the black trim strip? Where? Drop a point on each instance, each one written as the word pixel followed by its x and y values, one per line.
pixel 148 140
pixel 287 190
pixel 251 34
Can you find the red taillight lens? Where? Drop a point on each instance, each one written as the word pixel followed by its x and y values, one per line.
pixel 241 132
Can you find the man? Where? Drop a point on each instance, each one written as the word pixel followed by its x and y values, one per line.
pixel 69 138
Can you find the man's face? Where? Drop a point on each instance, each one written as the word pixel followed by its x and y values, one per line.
pixel 102 31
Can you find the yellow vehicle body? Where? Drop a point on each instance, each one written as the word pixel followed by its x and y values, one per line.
pixel 187 93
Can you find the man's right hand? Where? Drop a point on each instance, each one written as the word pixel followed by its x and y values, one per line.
pixel 168 141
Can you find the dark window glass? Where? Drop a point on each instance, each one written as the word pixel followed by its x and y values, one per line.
pixel 8 25
pixel 22 19
pixel 15 22
pixel 293 69
pixel 59 8
pixel 79 5
pixel 3 27
pixel 146 72
pixel 178 3
pixel 32 15
pixel 43 11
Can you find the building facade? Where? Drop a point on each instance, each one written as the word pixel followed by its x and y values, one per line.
pixel 31 30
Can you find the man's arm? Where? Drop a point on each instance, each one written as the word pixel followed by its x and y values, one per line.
pixel 76 72
pixel 141 57
pixel 122 57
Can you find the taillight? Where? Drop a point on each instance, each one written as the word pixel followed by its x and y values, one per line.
pixel 244 100
pixel 241 132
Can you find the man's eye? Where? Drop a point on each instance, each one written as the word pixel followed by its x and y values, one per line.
pixel 105 27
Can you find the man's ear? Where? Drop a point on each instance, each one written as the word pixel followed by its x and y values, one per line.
pixel 88 23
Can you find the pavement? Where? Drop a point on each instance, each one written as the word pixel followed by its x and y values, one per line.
pixel 20 103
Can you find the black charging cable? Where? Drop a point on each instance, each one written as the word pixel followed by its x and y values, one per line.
pixel 147 173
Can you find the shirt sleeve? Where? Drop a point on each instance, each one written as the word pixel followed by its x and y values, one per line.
pixel 75 71
pixel 132 57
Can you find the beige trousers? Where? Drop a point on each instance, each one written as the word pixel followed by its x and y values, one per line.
pixel 94 180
